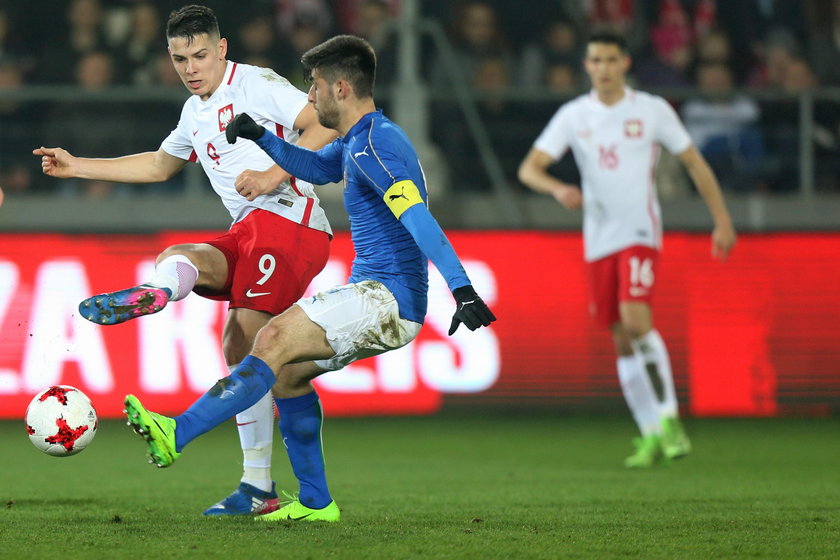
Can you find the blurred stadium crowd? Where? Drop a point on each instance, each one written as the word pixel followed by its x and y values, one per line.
pixel 735 70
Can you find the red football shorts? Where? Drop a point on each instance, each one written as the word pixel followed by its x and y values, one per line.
pixel 628 275
pixel 271 261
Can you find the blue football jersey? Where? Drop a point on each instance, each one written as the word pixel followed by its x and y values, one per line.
pixel 386 200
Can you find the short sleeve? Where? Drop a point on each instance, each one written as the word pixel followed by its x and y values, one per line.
pixel 272 97
pixel 179 141
pixel 670 131
pixel 555 138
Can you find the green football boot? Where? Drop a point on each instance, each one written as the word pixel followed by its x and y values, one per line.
pixel 648 452
pixel 296 511
pixel 158 431
pixel 675 444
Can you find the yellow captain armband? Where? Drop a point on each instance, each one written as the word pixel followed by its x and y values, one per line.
pixel 401 196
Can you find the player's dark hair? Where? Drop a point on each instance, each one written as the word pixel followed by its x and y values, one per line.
pixel 191 21
pixel 608 36
pixel 344 57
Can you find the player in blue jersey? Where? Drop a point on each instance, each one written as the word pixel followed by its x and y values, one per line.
pixel 380 309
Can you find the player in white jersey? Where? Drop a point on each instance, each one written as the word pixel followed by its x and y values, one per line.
pixel 614 133
pixel 279 239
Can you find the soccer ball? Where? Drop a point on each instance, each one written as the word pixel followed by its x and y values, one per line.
pixel 61 421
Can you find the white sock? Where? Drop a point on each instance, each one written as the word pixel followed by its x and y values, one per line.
pixel 652 351
pixel 256 430
pixel 177 274
pixel 638 392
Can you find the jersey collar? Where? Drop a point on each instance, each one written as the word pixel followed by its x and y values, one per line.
pixel 362 123
pixel 230 70
pixel 629 95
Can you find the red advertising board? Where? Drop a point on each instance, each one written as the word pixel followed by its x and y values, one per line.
pixel 756 335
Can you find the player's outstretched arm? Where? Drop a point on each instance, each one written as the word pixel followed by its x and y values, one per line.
pixel 56 162
pixel 409 208
pixel 252 183
pixel 323 166
pixel 147 167
pixel 723 235
pixel 470 309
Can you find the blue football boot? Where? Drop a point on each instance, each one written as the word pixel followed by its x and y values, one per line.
pixel 246 500
pixel 117 307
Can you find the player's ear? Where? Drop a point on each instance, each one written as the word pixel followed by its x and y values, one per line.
pixel 222 48
pixel 346 89
pixel 586 65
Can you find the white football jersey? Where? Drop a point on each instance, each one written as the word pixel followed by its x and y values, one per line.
pixel 616 148
pixel 200 136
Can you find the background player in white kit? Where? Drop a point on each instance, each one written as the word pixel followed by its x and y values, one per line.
pixel 614 133
pixel 279 239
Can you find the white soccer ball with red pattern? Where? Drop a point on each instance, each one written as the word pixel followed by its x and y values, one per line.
pixel 61 421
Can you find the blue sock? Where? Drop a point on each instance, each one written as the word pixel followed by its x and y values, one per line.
pixel 300 425
pixel 229 396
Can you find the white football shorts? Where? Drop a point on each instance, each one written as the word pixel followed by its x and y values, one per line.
pixel 361 320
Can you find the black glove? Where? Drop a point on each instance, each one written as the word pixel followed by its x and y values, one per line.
pixel 471 310
pixel 243 125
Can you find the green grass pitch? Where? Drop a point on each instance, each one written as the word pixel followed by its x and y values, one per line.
pixel 480 486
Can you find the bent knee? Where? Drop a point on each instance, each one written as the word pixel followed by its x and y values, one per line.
pixel 621 340
pixel 185 249
pixel 268 336
pixel 622 345
pixel 636 319
pixel 279 337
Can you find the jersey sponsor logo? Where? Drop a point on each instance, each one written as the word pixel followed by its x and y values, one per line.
pixel 633 128
pixel 195 132
pixel 249 293
pixel 362 153
pixel 636 291
pixel 225 116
